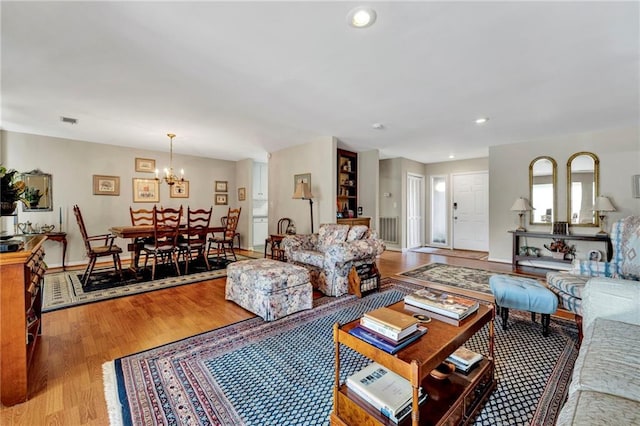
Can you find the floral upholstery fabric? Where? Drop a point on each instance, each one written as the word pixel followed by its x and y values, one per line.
pixel 357 232
pixel 329 264
pixel 269 288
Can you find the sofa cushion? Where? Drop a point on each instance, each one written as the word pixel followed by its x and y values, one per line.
pixel 567 283
pixel 357 232
pixel 310 257
pixel 590 268
pixel 594 408
pixel 608 360
pixel 331 233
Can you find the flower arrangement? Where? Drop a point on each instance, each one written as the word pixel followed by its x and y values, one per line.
pixel 11 190
pixel 560 246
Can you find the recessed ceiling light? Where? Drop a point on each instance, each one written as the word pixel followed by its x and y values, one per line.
pixel 452 156
pixel 361 17
pixel 69 120
pixel 482 120
pixel 378 126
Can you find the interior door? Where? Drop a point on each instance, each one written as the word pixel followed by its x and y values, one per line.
pixel 471 211
pixel 415 216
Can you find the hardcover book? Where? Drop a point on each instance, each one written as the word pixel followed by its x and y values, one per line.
pixel 384 330
pixel 389 317
pixel 385 390
pixel 443 303
pixel 465 356
pixel 362 333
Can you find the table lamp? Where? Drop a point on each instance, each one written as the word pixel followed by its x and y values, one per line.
pixel 603 204
pixel 521 205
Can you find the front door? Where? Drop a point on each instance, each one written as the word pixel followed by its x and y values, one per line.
pixel 415 204
pixel 471 211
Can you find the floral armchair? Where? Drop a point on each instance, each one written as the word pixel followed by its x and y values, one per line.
pixel 330 254
pixel 625 264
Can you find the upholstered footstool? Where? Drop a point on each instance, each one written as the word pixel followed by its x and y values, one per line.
pixel 269 288
pixel 524 294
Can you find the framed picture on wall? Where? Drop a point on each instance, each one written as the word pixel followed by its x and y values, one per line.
pixel 146 190
pixel 242 194
pixel 179 190
pixel 221 200
pixel 221 186
pixel 106 185
pixel 146 165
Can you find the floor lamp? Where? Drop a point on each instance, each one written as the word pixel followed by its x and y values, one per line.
pixel 303 192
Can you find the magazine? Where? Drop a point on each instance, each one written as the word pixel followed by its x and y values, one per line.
pixel 443 303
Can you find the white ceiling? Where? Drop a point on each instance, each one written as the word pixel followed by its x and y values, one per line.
pixel 237 80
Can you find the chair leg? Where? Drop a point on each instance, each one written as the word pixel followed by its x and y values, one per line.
pixel 233 252
pixel 174 257
pixel 206 260
pixel 90 266
pixel 504 313
pixel 546 319
pixel 117 265
pixel 153 266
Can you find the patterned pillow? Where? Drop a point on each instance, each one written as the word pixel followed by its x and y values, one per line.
pixel 357 232
pixel 329 234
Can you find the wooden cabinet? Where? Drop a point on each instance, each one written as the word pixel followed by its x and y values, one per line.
pixel 260 181
pixel 20 316
pixel 355 221
pixel 517 257
pixel 347 184
pixel 453 401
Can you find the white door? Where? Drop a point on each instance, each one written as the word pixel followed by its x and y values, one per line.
pixel 471 211
pixel 414 210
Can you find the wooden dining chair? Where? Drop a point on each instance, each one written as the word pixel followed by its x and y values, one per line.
pixel 224 243
pixel 236 236
pixel 277 252
pixel 106 247
pixel 142 217
pixel 195 239
pixel 164 249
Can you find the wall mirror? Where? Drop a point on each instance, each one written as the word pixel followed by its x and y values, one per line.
pixel 37 192
pixel 583 187
pixel 542 190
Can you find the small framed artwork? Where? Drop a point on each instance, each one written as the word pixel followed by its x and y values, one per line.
pixel 179 190
pixel 636 186
pixel 221 200
pixel 242 194
pixel 106 185
pixel 146 190
pixel 145 165
pixel 595 255
pixel 303 178
pixel 221 186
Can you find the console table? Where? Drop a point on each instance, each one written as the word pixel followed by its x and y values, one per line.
pixel 60 237
pixel 516 257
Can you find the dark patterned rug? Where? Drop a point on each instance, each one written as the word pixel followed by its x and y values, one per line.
pixel 64 289
pixel 255 373
pixel 455 276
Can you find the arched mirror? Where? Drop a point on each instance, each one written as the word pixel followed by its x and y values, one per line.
pixel 583 187
pixel 542 190
pixel 37 192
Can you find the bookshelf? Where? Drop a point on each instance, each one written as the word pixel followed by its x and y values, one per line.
pixel 347 184
pixel 455 400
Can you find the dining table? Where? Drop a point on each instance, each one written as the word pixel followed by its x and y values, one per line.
pixel 135 232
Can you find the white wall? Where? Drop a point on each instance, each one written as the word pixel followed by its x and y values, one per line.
pixel 619 154
pixel 72 164
pixel 369 185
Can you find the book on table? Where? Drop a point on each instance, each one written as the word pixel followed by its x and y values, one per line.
pixel 385 390
pixel 386 331
pixel 464 359
pixel 443 303
pixel 384 344
pixel 391 319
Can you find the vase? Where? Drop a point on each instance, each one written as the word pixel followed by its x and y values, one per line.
pixel 8 207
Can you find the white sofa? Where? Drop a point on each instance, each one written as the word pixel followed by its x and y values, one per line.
pixel 605 388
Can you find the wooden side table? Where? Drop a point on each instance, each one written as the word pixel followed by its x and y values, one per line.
pixel 274 241
pixel 60 237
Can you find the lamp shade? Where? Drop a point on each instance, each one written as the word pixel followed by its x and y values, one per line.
pixel 303 192
pixel 603 204
pixel 521 205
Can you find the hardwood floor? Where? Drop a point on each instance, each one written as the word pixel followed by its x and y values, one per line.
pixel 65 384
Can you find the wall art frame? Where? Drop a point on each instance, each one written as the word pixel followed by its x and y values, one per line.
pixel 146 190
pixel 221 186
pixel 242 193
pixel 221 200
pixel 145 165
pixel 106 185
pixel 179 189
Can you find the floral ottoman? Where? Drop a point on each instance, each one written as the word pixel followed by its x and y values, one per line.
pixel 269 288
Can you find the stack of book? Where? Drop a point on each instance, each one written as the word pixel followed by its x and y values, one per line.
pixel 464 359
pixel 388 330
pixel 385 390
pixel 446 304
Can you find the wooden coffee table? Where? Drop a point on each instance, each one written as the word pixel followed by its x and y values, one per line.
pixel 455 400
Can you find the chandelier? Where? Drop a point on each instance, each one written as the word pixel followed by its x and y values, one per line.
pixel 169 176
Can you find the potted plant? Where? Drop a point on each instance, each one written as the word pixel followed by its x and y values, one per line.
pixel 11 190
pixel 560 249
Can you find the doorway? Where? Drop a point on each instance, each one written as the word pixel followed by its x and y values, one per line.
pixel 415 215
pixel 471 211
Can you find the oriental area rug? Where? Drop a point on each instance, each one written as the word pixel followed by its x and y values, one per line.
pixel 64 289
pixel 466 254
pixel 282 372
pixel 455 276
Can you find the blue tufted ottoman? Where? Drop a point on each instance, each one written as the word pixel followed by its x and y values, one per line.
pixel 524 294
pixel 269 288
